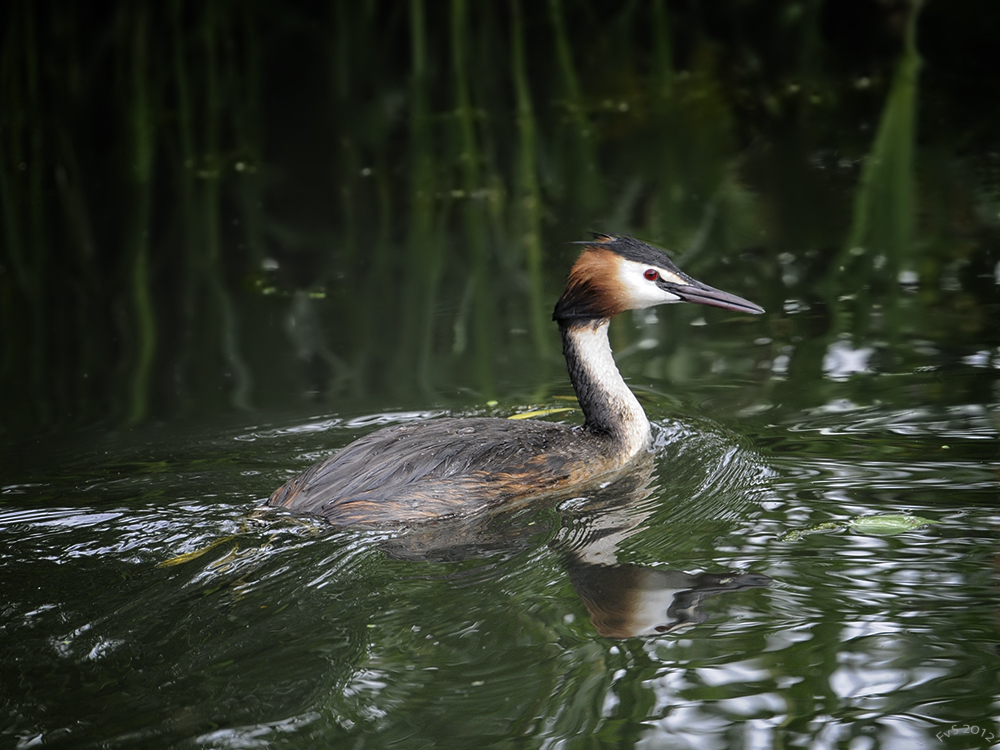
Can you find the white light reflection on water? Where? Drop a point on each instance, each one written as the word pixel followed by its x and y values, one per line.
pixel 983 358
pixel 256 735
pixel 754 703
pixel 873 668
pixel 327 424
pixel 968 421
pixel 843 360
pixel 64 517
pixel 888 475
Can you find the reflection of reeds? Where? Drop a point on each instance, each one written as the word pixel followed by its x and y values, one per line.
pixel 142 147
pixel 473 207
pixel 882 232
pixel 425 266
pixel 448 139
pixel 579 159
pixel 528 194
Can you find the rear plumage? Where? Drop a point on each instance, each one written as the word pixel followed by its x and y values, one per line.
pixel 416 472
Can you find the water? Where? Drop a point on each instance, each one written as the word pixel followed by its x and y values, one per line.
pixel 146 605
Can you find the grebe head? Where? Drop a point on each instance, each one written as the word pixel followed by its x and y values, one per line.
pixel 618 273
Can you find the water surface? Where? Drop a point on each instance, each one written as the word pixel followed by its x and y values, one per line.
pixel 775 621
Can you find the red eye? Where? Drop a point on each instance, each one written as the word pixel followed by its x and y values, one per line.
pixel 651 274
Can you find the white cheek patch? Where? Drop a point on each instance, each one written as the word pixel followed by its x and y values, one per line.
pixel 640 291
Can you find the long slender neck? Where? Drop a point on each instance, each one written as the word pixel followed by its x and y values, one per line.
pixel 608 405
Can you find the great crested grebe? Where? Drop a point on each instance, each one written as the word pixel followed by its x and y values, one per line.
pixel 447 467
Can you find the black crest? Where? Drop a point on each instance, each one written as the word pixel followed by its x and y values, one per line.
pixel 632 249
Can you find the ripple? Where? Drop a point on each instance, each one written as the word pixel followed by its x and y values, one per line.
pixel 312 426
pixel 328 424
pixel 886 475
pixel 69 518
pixel 958 421
pixel 295 630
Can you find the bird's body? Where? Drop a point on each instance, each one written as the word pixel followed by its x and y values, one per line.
pixel 424 471
pixel 445 467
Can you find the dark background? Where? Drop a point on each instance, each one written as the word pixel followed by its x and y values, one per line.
pixel 222 205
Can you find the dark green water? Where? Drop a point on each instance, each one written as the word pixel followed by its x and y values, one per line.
pixel 238 236
pixel 479 633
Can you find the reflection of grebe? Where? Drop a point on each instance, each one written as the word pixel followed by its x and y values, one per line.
pixel 448 467
pixel 626 601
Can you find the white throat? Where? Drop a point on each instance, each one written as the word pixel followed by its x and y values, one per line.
pixel 607 402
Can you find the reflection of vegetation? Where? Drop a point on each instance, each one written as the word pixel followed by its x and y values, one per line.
pixel 161 162
pixel 881 236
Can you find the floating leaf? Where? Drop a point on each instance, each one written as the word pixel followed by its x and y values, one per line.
pixel 888 525
pixel 794 536
pixel 538 413
pixel 189 556
pixel 881 525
